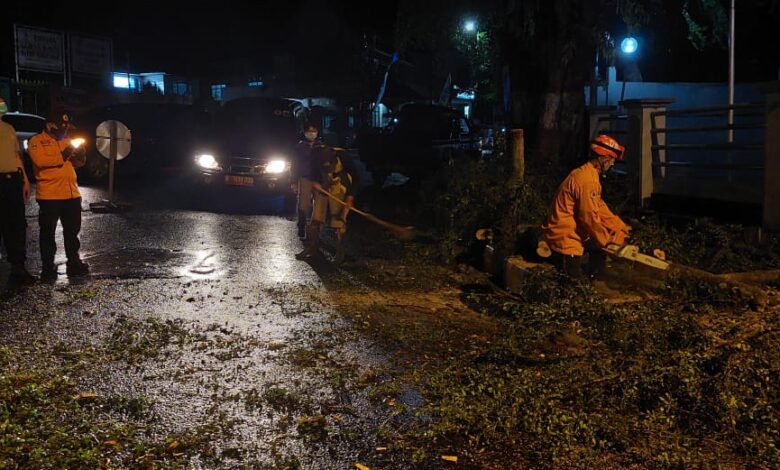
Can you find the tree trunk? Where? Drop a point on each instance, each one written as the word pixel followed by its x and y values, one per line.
pixel 549 61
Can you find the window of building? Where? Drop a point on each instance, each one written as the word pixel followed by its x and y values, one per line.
pixel 216 91
pixel 124 80
pixel 255 83
pixel 181 88
pixel 156 80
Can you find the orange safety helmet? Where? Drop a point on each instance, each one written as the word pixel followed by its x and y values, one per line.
pixel 606 146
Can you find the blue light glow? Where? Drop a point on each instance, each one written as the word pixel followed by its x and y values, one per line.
pixel 629 45
pixel 470 26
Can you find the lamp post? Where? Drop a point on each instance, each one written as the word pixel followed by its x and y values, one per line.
pixel 470 27
pixel 629 47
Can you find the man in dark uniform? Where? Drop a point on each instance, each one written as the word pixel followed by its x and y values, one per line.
pixel 14 191
pixel 301 174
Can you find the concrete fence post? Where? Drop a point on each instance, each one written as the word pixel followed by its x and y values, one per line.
pixel 639 143
pixel 771 211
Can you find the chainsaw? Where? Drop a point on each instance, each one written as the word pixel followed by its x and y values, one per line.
pixel 627 252
pixel 631 253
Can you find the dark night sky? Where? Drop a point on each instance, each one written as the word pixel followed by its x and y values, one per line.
pixel 189 37
pixel 201 37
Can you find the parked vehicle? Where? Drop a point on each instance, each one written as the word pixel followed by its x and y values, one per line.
pixel 26 126
pixel 418 141
pixel 163 138
pixel 251 146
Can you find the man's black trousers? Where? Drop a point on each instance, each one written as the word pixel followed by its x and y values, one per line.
pixel 13 226
pixel 69 212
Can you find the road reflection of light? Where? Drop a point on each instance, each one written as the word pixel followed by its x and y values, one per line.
pixel 281 262
pixel 92 194
pixel 206 266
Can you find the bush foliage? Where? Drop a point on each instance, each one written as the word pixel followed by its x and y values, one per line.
pixel 576 382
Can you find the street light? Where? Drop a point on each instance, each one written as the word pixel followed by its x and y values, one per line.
pixel 629 45
pixel 470 26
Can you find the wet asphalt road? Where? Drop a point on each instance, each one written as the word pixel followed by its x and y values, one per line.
pixel 227 275
pixel 173 231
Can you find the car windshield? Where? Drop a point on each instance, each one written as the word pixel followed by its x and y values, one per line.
pixel 22 123
pixel 268 119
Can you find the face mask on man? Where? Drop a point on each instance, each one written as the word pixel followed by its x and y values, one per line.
pixel 58 132
pixel 310 136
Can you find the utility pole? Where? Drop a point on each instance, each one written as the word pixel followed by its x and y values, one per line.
pixel 19 106
pixel 731 73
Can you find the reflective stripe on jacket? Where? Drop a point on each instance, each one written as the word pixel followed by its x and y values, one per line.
pixel 578 214
pixel 56 177
pixel 340 170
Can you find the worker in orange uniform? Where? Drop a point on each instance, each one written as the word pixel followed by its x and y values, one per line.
pixel 55 157
pixel 579 219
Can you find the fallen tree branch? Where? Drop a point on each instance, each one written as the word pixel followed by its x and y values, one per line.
pixel 756 294
pixel 752 277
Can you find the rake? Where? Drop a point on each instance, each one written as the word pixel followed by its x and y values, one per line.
pixel 402 233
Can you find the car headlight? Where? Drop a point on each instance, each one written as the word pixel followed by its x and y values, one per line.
pixel 276 166
pixel 207 161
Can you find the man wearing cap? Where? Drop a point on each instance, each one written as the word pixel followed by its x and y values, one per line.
pixel 14 191
pixel 579 219
pixel 55 159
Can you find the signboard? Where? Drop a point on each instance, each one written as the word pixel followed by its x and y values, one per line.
pixel 39 49
pixel 90 55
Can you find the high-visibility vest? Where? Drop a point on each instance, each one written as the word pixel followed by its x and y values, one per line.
pixel 56 177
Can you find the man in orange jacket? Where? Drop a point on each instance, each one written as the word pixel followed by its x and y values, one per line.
pixel 55 159
pixel 579 219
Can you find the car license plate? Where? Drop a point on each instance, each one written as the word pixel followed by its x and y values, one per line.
pixel 239 180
